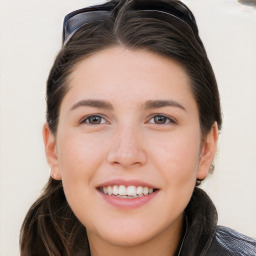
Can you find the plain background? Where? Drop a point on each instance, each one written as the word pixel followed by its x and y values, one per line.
pixel 30 39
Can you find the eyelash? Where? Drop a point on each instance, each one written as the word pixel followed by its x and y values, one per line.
pixel 88 118
pixel 99 117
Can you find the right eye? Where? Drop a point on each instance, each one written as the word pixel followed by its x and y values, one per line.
pixel 94 120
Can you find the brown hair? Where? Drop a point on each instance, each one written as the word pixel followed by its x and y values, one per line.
pixel 50 227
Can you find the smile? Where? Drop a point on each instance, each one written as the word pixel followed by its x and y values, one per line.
pixel 123 191
pixel 127 194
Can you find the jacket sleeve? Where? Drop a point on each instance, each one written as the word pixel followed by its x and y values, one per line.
pixel 229 242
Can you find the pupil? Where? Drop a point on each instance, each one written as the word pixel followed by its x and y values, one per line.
pixel 95 120
pixel 160 119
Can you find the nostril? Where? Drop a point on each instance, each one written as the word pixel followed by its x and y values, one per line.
pixel 126 156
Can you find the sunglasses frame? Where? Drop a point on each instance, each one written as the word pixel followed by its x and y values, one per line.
pixel 99 13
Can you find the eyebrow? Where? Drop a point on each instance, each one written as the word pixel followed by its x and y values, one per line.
pixel 151 104
pixel 93 103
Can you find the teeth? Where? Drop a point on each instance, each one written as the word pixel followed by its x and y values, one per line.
pixel 122 190
pixel 131 191
pixel 127 192
pixel 110 190
pixel 145 191
pixel 139 190
pixel 105 190
pixel 115 190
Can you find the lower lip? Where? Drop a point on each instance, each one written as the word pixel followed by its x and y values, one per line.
pixel 128 203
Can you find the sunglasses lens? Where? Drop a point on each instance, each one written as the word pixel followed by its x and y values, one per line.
pixel 81 19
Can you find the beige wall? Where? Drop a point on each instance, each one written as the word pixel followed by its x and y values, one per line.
pixel 30 37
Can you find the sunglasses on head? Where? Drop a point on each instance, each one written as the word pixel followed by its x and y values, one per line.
pixel 100 13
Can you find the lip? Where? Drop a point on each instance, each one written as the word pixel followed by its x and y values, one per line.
pixel 127 203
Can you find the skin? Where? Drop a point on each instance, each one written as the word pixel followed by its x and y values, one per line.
pixel 130 143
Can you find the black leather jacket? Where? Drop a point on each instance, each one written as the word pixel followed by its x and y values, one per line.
pixel 205 238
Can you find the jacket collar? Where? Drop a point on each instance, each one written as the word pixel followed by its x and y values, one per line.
pixel 202 221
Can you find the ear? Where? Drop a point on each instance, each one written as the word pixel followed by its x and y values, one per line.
pixel 51 152
pixel 208 149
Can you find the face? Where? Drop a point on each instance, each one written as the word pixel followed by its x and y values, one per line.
pixel 128 146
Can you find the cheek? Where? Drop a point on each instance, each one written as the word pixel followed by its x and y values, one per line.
pixel 177 166
pixel 177 157
pixel 79 158
pixel 77 153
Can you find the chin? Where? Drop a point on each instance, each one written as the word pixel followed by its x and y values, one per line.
pixel 127 239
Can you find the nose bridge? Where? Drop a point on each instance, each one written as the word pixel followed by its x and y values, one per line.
pixel 127 148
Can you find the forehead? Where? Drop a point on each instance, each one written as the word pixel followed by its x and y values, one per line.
pixel 129 75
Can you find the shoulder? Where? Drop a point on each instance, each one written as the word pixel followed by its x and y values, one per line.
pixel 230 242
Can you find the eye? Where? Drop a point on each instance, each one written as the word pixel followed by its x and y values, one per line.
pixel 161 119
pixel 94 120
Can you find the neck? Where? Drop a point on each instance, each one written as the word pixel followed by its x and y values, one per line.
pixel 164 244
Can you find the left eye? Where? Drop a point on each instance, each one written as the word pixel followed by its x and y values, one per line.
pixel 160 119
pixel 94 120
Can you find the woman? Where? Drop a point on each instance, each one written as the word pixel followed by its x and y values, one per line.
pixel 133 116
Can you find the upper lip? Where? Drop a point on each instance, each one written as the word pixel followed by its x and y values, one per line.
pixel 126 183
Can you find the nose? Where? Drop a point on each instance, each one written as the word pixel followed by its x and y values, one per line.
pixel 127 148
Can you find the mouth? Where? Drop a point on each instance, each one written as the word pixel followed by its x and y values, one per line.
pixel 128 192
